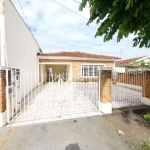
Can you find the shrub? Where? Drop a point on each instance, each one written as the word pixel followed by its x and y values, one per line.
pixel 147 117
pixel 144 145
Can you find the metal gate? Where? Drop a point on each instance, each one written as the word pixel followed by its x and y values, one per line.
pixel 126 88
pixel 54 98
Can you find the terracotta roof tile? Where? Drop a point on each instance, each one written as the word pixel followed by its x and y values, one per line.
pixel 126 62
pixel 78 54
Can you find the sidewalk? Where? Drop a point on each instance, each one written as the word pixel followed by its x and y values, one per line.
pixel 3 131
pixel 89 133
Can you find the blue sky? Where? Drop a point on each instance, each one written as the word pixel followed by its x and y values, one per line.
pixel 58 29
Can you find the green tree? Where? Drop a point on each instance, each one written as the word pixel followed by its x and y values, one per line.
pixel 140 64
pixel 122 17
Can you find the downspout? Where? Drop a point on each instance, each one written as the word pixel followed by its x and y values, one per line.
pixel 3 53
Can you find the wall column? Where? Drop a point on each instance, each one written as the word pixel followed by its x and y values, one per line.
pixel 105 90
pixel 2 98
pixel 146 87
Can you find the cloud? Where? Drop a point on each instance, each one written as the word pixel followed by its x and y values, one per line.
pixel 57 28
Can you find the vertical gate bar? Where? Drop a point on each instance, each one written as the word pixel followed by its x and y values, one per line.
pixel 122 92
pixel 125 92
pixel 12 98
pixel 28 91
pixel 31 86
pixel 86 86
pixel 35 82
pixel 24 92
pixel 42 86
pixel 17 87
pixel 95 91
pixel 99 81
pixel 15 92
pixel 75 84
pixel 20 94
pixel 91 90
pixel 34 85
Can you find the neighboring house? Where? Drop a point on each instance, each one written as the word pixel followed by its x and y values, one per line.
pixel 75 64
pixel 18 49
pixel 21 46
pixel 125 65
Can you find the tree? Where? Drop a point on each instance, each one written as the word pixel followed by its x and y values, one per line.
pixel 140 64
pixel 122 17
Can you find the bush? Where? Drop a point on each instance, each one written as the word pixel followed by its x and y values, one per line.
pixel 147 117
pixel 144 145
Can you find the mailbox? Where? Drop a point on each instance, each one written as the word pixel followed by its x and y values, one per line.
pixel 11 92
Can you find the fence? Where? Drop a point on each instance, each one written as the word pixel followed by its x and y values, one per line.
pixel 132 79
pixel 29 100
pixel 80 94
pixel 127 89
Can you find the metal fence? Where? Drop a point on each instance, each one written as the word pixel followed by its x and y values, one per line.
pixel 127 88
pixel 56 95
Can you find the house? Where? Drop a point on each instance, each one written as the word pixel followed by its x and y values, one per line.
pixel 21 54
pixel 76 65
pixel 125 65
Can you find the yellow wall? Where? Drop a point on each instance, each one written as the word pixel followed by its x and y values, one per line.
pixel 76 67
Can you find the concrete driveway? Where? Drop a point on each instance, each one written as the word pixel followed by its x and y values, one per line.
pixel 58 102
pixel 89 133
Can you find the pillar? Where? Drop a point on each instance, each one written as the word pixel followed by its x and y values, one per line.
pixel 2 98
pixel 146 87
pixel 105 90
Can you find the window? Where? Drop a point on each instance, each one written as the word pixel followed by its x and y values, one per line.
pixel 90 70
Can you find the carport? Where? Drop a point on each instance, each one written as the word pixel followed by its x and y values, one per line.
pixel 49 71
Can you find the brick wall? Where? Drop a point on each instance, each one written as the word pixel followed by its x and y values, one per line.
pixel 146 84
pixel 2 91
pixel 105 86
pixel 130 79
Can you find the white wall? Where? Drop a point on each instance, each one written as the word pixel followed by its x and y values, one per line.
pixel 43 73
pixel 69 72
pixel 119 69
pixel 22 49
pixel 21 46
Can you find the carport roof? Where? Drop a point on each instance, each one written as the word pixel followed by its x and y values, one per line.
pixel 77 54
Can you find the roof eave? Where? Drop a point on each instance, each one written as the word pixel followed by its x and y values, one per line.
pixel 76 58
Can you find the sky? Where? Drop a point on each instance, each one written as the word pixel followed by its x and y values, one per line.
pixel 57 28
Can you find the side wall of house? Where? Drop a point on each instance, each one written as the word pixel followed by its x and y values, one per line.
pixel 21 46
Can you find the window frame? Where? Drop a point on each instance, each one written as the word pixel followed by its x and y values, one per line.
pixel 88 70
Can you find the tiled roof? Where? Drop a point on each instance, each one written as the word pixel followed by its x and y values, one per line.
pixel 125 62
pixel 78 54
